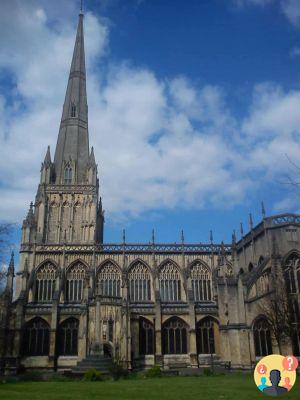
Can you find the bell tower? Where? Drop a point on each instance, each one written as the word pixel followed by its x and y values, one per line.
pixel 67 207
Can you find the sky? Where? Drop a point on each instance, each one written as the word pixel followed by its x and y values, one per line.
pixel 193 109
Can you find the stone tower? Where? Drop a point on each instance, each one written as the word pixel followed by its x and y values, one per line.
pixel 67 207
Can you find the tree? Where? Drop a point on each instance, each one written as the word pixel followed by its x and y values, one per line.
pixel 5 247
pixel 277 308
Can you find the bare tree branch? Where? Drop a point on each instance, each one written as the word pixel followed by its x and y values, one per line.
pixel 5 247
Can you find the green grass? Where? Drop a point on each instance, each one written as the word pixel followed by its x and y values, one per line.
pixel 225 387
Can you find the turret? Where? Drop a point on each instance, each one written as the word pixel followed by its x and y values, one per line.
pixel 29 226
pixel 47 168
pixel 92 169
pixel 10 277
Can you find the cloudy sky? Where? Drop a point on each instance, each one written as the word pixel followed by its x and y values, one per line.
pixel 194 109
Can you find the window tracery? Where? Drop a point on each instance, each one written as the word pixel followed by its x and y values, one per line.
pixel 75 283
pixel 139 283
pixel 169 283
pixel 45 283
pixel 201 282
pixel 109 281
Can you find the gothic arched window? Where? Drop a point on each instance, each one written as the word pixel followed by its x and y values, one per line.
pixel 75 283
pixel 291 271
pixel 205 336
pixel 262 337
pixel 174 336
pixel 146 337
pixel 68 175
pixel 68 337
pixel 109 281
pixel 263 283
pixel 36 338
pixel 73 110
pixel 77 220
pixel 296 340
pixel 53 222
pixel 45 283
pixel 169 283
pixel 201 282
pixel 139 283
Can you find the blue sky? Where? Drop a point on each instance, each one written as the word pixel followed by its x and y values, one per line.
pixel 194 109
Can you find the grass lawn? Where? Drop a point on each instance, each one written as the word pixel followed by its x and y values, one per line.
pixel 228 387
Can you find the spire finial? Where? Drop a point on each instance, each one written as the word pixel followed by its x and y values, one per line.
pixel 11 263
pixel 250 222
pixel 263 210
pixel 81 7
pixel 153 236
pixel 124 236
pixel 182 237
pixel 233 238
pixel 242 229
pixel 211 238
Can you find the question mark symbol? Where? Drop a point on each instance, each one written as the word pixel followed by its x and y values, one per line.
pixel 290 362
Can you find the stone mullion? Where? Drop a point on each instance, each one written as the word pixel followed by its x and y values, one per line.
pixel 72 224
pixel 59 227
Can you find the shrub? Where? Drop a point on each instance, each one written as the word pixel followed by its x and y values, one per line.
pixel 154 372
pixel 33 375
pixel 208 372
pixel 117 372
pixel 92 375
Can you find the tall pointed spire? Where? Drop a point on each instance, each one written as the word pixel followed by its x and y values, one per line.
pixel 72 149
pixel 47 160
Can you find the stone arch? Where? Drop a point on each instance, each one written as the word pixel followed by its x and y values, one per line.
pixel 262 336
pixel 139 281
pixel 199 261
pixel 108 260
pixel 291 274
pixel 78 260
pixel 260 284
pixel 174 336
pixel 75 280
pixel 171 283
pixel 67 337
pixel 207 331
pixel 260 260
pixel 36 337
pixel 146 336
pixel 45 279
pixel 250 267
pixel 201 281
pixel 293 252
pixel 47 260
pixel 108 279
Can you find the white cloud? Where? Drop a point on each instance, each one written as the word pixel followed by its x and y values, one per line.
pixel 295 51
pixel 242 3
pixel 159 143
pixel 291 9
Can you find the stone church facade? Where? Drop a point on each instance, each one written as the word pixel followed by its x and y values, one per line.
pixel 173 305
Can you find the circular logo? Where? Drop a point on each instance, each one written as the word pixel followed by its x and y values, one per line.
pixel 275 375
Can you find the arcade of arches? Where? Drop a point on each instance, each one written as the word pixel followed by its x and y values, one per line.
pixel 176 335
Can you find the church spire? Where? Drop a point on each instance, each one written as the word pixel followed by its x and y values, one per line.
pixel 47 160
pixel 72 149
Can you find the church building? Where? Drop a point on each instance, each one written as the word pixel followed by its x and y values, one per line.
pixel 74 298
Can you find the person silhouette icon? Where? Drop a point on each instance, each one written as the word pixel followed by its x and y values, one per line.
pixel 287 383
pixel 263 384
pixel 275 389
